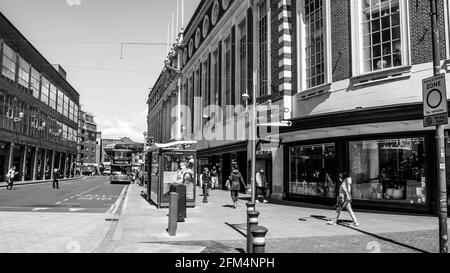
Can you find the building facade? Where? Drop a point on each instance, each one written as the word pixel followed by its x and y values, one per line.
pixel 88 139
pixel 347 74
pixel 38 111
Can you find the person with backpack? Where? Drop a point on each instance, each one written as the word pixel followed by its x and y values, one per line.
pixel 10 175
pixel 234 185
pixel 56 176
pixel 344 199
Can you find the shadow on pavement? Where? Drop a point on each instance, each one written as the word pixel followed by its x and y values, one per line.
pixel 238 228
pixel 345 223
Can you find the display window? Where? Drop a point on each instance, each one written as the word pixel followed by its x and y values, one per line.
pixel 313 170
pixel 389 170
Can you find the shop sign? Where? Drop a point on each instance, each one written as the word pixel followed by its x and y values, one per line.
pixel 435 110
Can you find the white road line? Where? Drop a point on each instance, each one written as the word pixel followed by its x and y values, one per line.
pixel 116 204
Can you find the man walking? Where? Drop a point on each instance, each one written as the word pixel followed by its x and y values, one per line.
pixel 10 177
pixel 56 177
pixel 261 184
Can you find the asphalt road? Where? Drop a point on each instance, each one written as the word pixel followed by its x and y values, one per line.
pixel 86 195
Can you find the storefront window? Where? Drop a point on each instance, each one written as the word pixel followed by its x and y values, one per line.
pixel 313 170
pixel 389 169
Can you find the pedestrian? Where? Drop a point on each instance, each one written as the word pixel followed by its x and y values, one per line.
pixel 10 175
pixel 261 184
pixel 206 181
pixel 234 185
pixel 214 178
pixel 344 199
pixel 56 176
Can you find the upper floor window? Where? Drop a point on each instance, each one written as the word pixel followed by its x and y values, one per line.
pixel 9 63
pixel 263 49
pixel 66 106
pixel 315 42
pixel 35 82
pixel 227 77
pixel 60 102
pixel 53 92
pixel 382 36
pixel 45 90
pixel 243 58
pixel 24 73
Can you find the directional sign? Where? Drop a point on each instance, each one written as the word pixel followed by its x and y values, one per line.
pixel 435 110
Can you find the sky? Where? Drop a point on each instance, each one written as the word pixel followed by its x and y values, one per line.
pixel 85 38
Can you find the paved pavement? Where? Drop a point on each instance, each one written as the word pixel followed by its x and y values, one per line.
pixel 132 225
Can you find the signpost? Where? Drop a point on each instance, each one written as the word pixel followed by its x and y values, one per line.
pixel 435 110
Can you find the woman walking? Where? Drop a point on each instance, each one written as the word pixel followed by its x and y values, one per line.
pixel 344 199
pixel 214 178
pixel 234 185
pixel 206 183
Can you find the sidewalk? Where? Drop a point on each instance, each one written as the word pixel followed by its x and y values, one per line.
pixel 216 227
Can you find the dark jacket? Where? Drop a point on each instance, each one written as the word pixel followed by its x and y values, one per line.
pixel 235 181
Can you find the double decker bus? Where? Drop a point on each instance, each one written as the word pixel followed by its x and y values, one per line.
pixel 121 166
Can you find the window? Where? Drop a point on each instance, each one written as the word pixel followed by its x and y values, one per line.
pixel 227 77
pixel 205 84
pixel 66 106
pixel 314 41
pixel 9 63
pixel 263 49
pixel 35 82
pixel 53 92
pixel 243 59
pixel 216 84
pixel 389 169
pixel 313 170
pixel 60 101
pixel 24 73
pixel 45 91
pixel 382 38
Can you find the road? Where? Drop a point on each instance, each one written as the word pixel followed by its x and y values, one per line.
pixel 87 195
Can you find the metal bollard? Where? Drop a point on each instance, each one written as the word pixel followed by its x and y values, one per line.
pixel 252 222
pixel 250 207
pixel 259 239
pixel 205 193
pixel 173 214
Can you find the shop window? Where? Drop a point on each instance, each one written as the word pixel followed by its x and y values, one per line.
pixel 389 169
pixel 313 170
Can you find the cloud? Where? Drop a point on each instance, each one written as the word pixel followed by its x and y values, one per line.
pixel 114 127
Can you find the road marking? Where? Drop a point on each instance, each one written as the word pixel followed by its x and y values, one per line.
pixel 38 209
pixel 74 210
pixel 58 203
pixel 115 206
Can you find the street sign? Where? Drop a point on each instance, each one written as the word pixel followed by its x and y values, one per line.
pixel 435 110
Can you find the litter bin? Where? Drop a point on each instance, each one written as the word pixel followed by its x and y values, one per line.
pixel 181 190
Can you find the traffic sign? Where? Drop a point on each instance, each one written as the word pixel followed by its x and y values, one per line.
pixel 435 110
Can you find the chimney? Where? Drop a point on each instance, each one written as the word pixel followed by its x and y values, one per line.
pixel 61 70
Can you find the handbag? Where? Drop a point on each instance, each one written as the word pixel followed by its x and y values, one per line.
pixel 227 184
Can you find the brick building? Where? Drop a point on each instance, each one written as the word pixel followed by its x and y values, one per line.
pixel 38 111
pixel 347 74
pixel 89 144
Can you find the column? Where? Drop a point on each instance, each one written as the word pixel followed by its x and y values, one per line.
pixel 71 167
pixel 53 165
pixel 10 154
pixel 44 165
pixel 34 165
pixel 23 160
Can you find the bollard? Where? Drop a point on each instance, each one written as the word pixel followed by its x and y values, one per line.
pixel 259 239
pixel 205 192
pixel 173 214
pixel 250 207
pixel 252 222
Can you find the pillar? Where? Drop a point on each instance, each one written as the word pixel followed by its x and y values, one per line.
pixel 44 166
pixel 53 165
pixel 34 165
pixel 10 154
pixel 72 160
pixel 23 160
